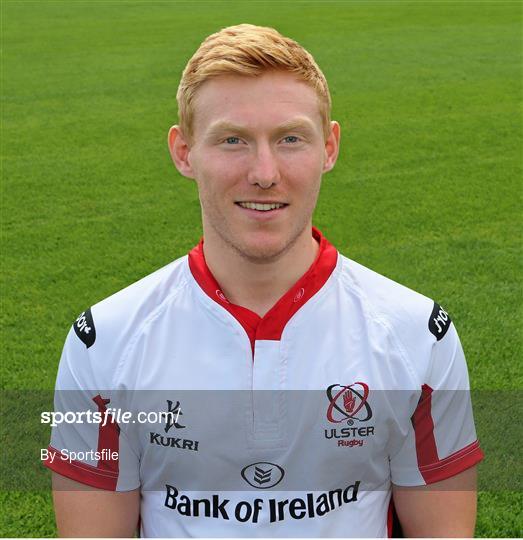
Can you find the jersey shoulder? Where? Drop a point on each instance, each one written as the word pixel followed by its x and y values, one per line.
pixel 106 328
pixel 390 300
pixel 416 321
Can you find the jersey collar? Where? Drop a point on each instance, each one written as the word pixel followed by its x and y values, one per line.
pixel 271 325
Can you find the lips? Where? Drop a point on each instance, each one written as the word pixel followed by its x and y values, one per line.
pixel 261 206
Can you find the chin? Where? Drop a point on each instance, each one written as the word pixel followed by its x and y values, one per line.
pixel 264 250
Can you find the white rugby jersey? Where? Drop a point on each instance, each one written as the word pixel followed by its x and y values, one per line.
pixel 294 424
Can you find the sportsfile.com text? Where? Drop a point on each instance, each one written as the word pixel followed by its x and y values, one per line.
pixel 109 416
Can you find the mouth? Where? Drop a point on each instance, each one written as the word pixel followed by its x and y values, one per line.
pixel 261 206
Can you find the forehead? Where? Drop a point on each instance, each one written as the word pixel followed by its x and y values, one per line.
pixel 265 101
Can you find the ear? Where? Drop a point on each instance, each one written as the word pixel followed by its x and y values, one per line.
pixel 179 149
pixel 332 147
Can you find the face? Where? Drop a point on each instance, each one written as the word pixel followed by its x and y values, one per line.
pixel 257 153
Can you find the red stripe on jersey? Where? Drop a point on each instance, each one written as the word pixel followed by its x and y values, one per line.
pixel 105 474
pixel 80 472
pixel 432 468
pixel 269 327
pixel 454 464
pixel 426 450
pixel 108 436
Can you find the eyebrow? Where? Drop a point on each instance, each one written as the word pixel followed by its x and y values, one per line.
pixel 297 124
pixel 222 126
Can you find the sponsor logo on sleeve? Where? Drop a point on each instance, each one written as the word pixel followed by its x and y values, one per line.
pixel 84 328
pixel 439 322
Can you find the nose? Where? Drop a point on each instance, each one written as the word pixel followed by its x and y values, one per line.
pixel 264 170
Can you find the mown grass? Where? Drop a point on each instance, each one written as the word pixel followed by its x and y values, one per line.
pixel 427 189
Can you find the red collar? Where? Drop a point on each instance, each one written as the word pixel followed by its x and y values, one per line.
pixel 269 327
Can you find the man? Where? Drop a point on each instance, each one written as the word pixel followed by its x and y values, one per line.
pixel 305 392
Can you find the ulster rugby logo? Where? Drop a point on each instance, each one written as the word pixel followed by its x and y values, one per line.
pixel 263 475
pixel 348 403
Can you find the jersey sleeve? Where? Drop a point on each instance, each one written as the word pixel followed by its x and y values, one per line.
pixel 87 444
pixel 441 438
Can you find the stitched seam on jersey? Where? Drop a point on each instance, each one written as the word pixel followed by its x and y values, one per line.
pixel 433 363
pixel 315 298
pixel 453 458
pixel 220 314
pixel 374 315
pixel 218 311
pixel 175 264
pixel 293 322
pixel 436 466
pixel 474 448
pixel 92 470
pixel 132 342
pixel 74 375
pixel 89 402
pixel 153 315
pixel 123 435
pixel 85 466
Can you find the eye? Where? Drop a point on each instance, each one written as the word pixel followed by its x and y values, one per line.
pixel 232 140
pixel 291 139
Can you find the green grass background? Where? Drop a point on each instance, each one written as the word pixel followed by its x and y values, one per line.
pixel 427 189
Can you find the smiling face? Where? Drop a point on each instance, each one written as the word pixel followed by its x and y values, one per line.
pixel 257 153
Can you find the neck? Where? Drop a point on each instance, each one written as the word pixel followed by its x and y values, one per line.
pixel 255 285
